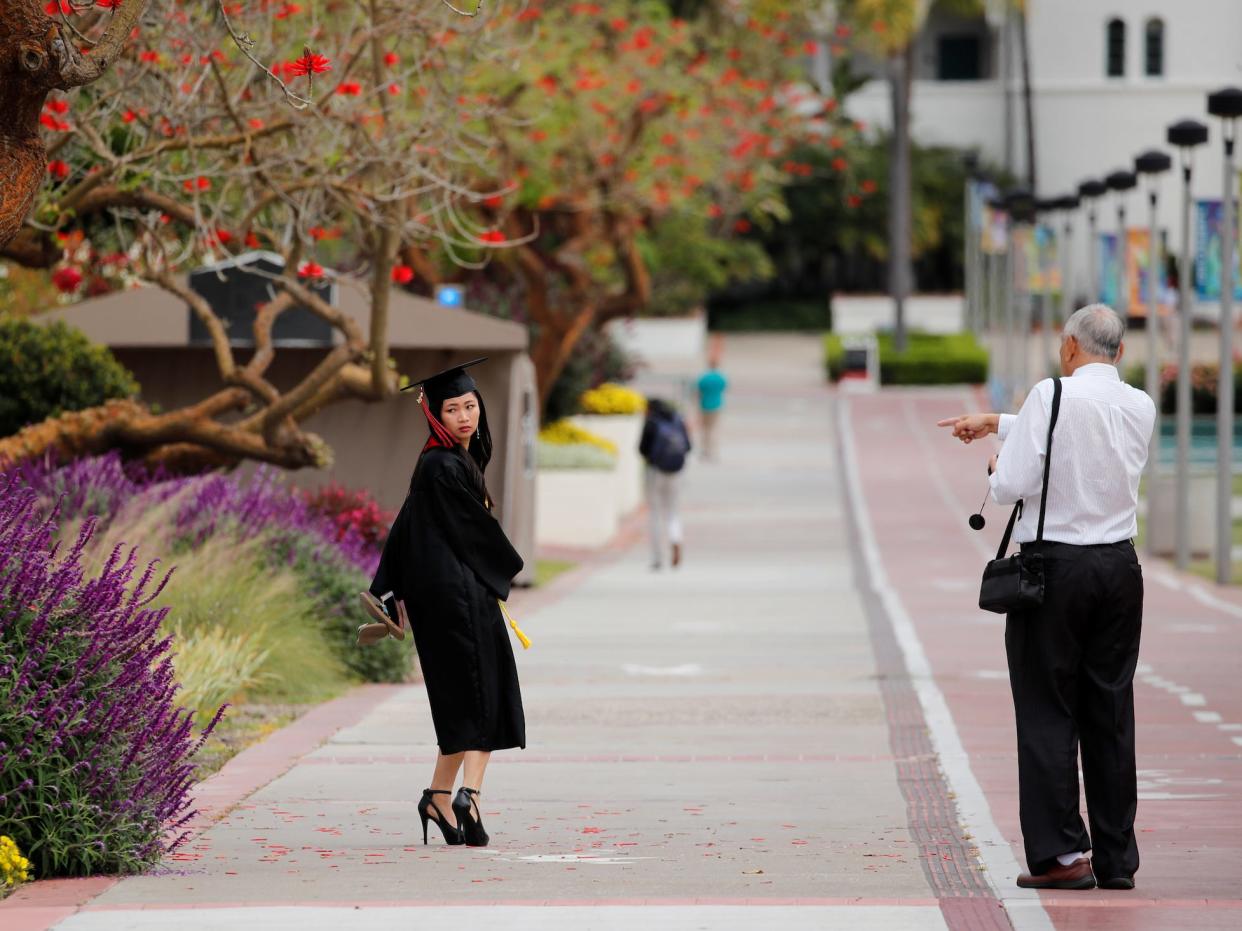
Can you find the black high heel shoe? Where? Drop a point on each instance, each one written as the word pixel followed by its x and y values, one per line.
pixel 466 807
pixel 428 810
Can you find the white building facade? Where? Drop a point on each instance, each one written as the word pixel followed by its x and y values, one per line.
pixel 1107 78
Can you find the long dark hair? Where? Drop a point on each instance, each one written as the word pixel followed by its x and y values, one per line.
pixel 476 456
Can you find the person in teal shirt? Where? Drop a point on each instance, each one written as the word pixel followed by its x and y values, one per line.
pixel 712 385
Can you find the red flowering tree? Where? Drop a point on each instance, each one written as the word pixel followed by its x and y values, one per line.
pixel 331 133
pixel 611 121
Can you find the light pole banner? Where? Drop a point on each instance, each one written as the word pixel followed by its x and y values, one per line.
pixel 1208 227
pixel 1138 256
pixel 1110 267
pixel 1043 259
pixel 994 237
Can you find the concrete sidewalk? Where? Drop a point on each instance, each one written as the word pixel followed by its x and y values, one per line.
pixel 710 744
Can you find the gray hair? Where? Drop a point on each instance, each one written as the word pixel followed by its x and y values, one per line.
pixel 1099 330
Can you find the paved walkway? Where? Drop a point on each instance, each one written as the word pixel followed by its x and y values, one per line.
pixel 740 743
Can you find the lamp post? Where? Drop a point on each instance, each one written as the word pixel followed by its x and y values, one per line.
pixel 970 268
pixel 999 310
pixel 1090 191
pixel 1185 135
pixel 1151 165
pixel 1046 207
pixel 1068 204
pixel 1119 182
pixel 1226 104
pixel 1021 206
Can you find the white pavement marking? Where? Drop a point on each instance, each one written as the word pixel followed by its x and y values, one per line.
pixel 685 669
pixel 972 804
pixel 519 918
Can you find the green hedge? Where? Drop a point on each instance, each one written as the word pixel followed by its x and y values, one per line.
pixel 929 359
pixel 770 315
pixel 48 370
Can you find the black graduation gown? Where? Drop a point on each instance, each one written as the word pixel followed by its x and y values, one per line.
pixel 449 560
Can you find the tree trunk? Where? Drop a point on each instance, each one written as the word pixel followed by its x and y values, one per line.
pixel 554 345
pixel 1027 103
pixel 36 57
pixel 900 206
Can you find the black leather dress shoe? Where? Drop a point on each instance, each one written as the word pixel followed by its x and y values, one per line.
pixel 1117 882
pixel 1077 875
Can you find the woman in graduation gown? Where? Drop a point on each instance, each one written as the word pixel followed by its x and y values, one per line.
pixel 447 562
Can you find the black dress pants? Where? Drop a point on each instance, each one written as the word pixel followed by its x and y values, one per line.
pixel 1071 669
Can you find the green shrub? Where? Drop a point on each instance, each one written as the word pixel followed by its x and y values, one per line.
pixel 771 315
pixel 334 584
pixel 48 370
pixel 929 359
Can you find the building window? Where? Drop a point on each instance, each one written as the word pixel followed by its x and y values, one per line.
pixel 958 58
pixel 1153 49
pixel 1116 51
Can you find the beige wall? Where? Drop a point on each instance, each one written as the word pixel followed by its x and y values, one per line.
pixel 375 445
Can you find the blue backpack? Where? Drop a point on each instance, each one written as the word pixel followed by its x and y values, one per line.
pixel 668 444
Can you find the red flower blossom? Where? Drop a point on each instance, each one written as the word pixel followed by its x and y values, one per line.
pixel 58 170
pixel 317 233
pixel 494 201
pixel 742 225
pixel 129 116
pixel 67 279
pixel 715 211
pixel 402 274
pixel 309 64
pixel 853 201
pixel 619 24
pixel 51 122
pixel 394 88
pixel 223 237
pixel 287 10
pixel 868 186
pixel 492 236
pixel 255 123
pixel 58 106
pixel 349 89
pixel 839 164
pixel 310 270
pixel 252 241
pixel 64 7
pixel 149 56
pixel 201 183
pixel 391 58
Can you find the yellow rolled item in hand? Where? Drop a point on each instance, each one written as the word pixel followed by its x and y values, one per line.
pixel 522 638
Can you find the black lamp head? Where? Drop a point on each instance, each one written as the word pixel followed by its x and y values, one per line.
pixel 1021 204
pixel 1120 181
pixel 1152 162
pixel 1225 103
pixel 1186 134
pixel 1047 204
pixel 1091 189
pixel 1069 202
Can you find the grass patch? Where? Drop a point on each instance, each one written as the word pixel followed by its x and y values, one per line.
pixel 929 359
pixel 241 727
pixel 548 569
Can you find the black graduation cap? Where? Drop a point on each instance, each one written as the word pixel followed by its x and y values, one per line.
pixel 450 383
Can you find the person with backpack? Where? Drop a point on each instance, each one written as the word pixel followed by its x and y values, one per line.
pixel 664 445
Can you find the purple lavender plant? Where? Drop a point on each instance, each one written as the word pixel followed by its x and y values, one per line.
pixel 95 754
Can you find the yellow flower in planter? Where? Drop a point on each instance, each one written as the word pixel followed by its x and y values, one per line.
pixel 14 868
pixel 611 398
pixel 565 433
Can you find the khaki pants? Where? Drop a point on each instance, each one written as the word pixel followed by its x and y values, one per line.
pixel 710 419
pixel 664 520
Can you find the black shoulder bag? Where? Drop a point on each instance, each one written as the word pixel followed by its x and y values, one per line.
pixel 1011 583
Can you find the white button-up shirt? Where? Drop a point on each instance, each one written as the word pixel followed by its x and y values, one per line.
pixel 1099 449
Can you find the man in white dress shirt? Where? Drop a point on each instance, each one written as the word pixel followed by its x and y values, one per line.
pixel 1072 660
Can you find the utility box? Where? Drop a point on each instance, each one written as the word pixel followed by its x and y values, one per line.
pixel 860 368
pixel 1162 512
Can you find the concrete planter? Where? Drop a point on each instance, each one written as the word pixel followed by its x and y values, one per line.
pixel 1162 508
pixel 625 430
pixel 576 507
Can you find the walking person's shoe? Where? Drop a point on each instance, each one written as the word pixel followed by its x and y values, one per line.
pixel 1122 883
pixel 375 608
pixel 428 810
pixel 1077 875
pixel 676 555
pixel 466 808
